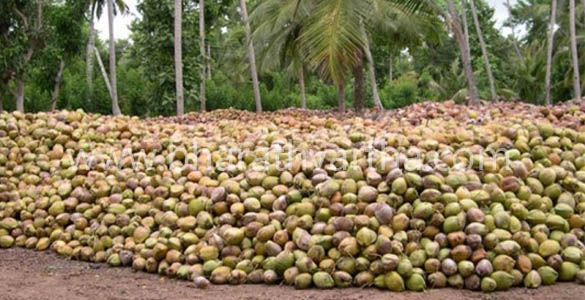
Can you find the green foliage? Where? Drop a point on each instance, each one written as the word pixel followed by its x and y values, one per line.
pixel 153 52
pixel 530 73
pixel 276 90
pixel 534 15
pixel 322 96
pixel 402 92
pixel 319 37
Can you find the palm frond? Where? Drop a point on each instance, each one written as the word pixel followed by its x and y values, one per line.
pixel 277 27
pixel 332 37
pixel 98 7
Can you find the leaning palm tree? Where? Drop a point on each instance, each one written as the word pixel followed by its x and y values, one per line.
pixel 251 56
pixel 96 8
pixel 486 60
pixel 464 24
pixel 112 47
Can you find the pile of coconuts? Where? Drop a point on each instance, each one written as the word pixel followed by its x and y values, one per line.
pixel 487 198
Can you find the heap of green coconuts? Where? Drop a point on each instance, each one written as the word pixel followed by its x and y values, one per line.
pixel 377 203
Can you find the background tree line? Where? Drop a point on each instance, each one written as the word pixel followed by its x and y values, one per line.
pixel 187 55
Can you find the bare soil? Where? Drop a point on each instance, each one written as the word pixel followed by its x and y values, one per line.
pixel 26 274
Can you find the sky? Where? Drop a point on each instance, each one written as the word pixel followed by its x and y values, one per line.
pixel 122 23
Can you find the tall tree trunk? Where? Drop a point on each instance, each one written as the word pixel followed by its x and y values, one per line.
pixel 208 61
pixel 103 70
pixel 464 48
pixel 27 58
pixel 57 86
pixel 583 6
pixel 112 46
pixel 203 73
pixel 574 54
pixel 179 57
pixel 20 95
pixel 251 56
pixel 302 87
pixel 20 81
pixel 371 69
pixel 465 25
pixel 89 55
pixel 341 97
pixel 486 60
pixel 358 89
pixel 1 104
pixel 391 68
pixel 549 53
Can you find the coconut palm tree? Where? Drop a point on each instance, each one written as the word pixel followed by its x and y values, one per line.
pixel 204 62
pixel 251 56
pixel 452 18
pixel 112 48
pixel 277 28
pixel 549 52
pixel 486 60
pixel 332 40
pixel 465 24
pixel 574 53
pixel 179 57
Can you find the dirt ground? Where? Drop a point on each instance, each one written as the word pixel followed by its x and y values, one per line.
pixel 25 274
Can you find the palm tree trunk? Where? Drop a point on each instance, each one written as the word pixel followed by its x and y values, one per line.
pixel 574 54
pixel 112 46
pixel 302 87
pixel 358 73
pixel 57 86
pixel 104 73
pixel 486 60
pixel 202 75
pixel 179 57
pixel 465 25
pixel 583 6
pixel 251 56
pixel 371 69
pixel 89 55
pixel 341 97
pixel 549 53
pixel 464 48
pixel 391 68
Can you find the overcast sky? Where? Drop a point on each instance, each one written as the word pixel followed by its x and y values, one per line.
pixel 122 23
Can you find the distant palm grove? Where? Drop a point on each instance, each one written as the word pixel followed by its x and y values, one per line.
pixel 264 55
